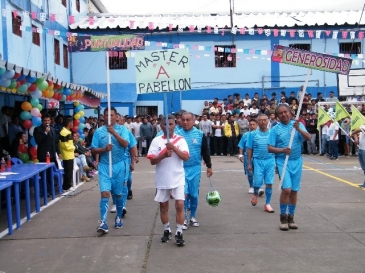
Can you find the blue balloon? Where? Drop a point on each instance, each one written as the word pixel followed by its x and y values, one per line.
pixel 22 77
pixel 25 115
pixel 32 141
pixel 67 91
pixel 82 120
pixel 76 109
pixel 82 136
pixel 36 121
pixel 31 79
pixel 80 131
pixel 9 74
pixel 81 107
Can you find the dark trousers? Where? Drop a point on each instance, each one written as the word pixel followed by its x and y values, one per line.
pixel 218 145
pixel 232 145
pixel 225 145
pixel 68 168
pixel 148 144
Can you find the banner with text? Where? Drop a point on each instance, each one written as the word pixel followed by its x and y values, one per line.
pixel 312 60
pixel 103 43
pixel 162 71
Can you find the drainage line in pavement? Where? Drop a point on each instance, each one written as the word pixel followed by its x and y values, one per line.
pixel 334 166
pixel 149 244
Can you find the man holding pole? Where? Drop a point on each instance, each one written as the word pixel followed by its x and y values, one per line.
pixel 114 181
pixel 278 143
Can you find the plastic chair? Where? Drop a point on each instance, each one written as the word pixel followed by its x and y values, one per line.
pixel 59 174
pixel 16 161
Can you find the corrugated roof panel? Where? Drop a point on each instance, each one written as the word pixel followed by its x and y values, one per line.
pixel 268 19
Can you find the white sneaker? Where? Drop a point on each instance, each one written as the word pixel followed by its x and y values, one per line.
pixel 185 225
pixel 251 191
pixel 113 209
pixel 194 222
pixel 261 192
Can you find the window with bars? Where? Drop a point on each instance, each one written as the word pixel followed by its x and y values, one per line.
pixel 301 46
pixel 56 51
pixel 65 56
pixel 350 48
pixel 78 5
pixel 17 23
pixel 64 2
pixel 225 56
pixel 36 37
pixel 117 60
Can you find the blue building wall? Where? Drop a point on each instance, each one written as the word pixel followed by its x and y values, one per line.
pixel 251 74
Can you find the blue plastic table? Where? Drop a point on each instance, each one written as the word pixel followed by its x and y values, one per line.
pixel 7 187
pixel 22 174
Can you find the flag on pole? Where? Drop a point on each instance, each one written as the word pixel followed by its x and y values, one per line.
pixel 341 112
pixel 357 119
pixel 323 117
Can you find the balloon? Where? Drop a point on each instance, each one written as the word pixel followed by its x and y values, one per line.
pixel 27 124
pixel 82 136
pixel 80 131
pixel 95 111
pixel 9 74
pixel 35 111
pixel 25 115
pixel 31 130
pixel 77 116
pixel 76 109
pixel 50 93
pixel 50 105
pixel 82 120
pixel 67 91
pixel 40 107
pixel 81 113
pixel 80 139
pixel 31 79
pixel 32 87
pixel 56 86
pixel 81 126
pixel 42 86
pixel 12 85
pixel 36 94
pixel 22 148
pixel 2 71
pixel 36 120
pixel 6 83
pixel 40 80
pixel 76 103
pixel 63 98
pixel 81 106
pixel 34 102
pixel 33 151
pixel 32 141
pixel 16 75
pixel 74 129
pixel 21 78
pixel 76 122
pixel 26 106
pixel 24 157
pixel 23 88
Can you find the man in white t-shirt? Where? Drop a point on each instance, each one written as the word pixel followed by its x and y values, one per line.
pixel 128 123
pixel 333 140
pixel 168 156
pixel 136 132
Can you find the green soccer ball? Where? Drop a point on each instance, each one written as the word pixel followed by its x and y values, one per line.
pixel 213 198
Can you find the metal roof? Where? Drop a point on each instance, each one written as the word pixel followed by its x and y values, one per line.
pixel 248 20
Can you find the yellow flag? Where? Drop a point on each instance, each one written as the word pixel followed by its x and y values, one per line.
pixel 341 112
pixel 323 117
pixel 357 119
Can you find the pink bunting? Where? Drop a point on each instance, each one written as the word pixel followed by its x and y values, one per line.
pixel 53 17
pixel 170 27
pixel 91 21
pixel 209 29
pixel 194 47
pixel 71 19
pixel 131 24
pixel 252 51
pixel 233 50
pixel 215 48
pixel 344 34
pixel 242 30
pixel 33 15
pixel 191 28
pixel 222 32
pixel 151 26
pixel 15 13
pixel 34 29
pixel 292 33
pixel 361 34
pixel 276 32
pixel 328 33
pixel 121 54
pixel 310 33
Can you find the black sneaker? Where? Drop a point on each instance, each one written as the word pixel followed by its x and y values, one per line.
pixel 124 212
pixel 179 239
pixel 166 236
pixel 130 195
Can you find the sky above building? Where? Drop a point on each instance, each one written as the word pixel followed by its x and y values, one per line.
pixel 145 7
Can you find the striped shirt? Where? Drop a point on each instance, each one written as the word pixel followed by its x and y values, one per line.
pixel 257 141
pixel 280 135
pixel 243 142
pixel 194 138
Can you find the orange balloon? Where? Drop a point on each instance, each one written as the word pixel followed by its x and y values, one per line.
pixel 45 93
pixel 26 106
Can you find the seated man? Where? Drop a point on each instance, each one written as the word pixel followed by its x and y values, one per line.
pixel 81 155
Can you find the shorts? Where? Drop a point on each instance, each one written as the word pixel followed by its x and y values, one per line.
pixel 163 195
pixel 192 180
pixel 263 172
pixel 116 182
pixel 293 173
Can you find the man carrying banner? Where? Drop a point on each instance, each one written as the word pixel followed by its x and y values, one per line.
pixel 278 143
